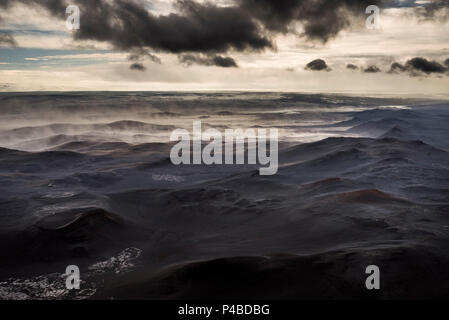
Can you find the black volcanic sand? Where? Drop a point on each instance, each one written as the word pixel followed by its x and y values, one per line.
pixel 141 228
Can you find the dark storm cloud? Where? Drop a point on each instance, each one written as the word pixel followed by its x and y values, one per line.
pixel 212 60
pixel 205 27
pixel 210 29
pixel 225 62
pixel 372 69
pixel 7 40
pixel 137 67
pixel 197 27
pixel 420 66
pixel 352 66
pixel 426 66
pixel 317 65
pixel 321 19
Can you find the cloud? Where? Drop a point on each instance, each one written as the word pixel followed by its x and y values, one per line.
pixel 7 40
pixel 428 9
pixel 322 20
pixel 397 67
pixel 426 66
pixel 317 65
pixel 137 67
pixel 140 54
pixel 205 27
pixel 371 69
pixel 5 86
pixel 128 25
pixel 211 60
pixel 225 62
pixel 420 66
pixel 208 28
pixel 436 9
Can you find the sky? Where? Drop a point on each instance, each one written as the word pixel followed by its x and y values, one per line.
pixel 266 45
